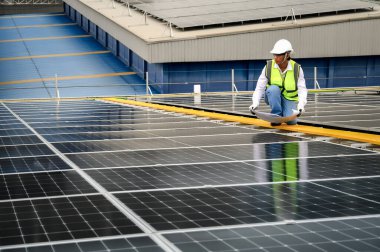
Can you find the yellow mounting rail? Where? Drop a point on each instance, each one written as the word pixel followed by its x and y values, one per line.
pixel 342 134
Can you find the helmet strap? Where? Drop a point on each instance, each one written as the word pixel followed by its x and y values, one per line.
pixel 285 58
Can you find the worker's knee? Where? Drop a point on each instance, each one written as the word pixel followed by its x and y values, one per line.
pixel 273 90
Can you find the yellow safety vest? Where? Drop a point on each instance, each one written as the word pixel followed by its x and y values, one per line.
pixel 288 85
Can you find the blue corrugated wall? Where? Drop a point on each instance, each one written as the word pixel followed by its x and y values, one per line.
pixel 216 76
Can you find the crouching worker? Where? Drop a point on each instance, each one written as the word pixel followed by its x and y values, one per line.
pixel 283 82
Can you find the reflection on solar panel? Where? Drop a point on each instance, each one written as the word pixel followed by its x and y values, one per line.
pixel 156 181
pixel 32 164
pixel 144 158
pixel 24 150
pixel 196 13
pixel 172 176
pixel 332 167
pixel 17 140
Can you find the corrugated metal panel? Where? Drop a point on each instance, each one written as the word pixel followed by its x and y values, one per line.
pixel 112 44
pixel 79 18
pixel 357 38
pixel 93 29
pixel 136 44
pixel 85 24
pixel 72 14
pixel 102 37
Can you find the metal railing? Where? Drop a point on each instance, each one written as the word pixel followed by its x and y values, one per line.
pixel 29 2
pixel 197 82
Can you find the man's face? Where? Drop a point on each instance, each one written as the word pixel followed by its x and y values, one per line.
pixel 279 58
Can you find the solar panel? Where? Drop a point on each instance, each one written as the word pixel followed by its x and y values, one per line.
pixel 24 150
pixel 121 127
pixel 43 220
pixel 144 158
pixel 172 176
pixel 188 14
pixel 15 132
pixel 332 235
pixel 189 180
pixel 19 140
pixel 32 164
pixel 112 145
pixel 210 207
pixel 356 111
pixel 42 185
pixel 130 244
pixel 332 167
pixel 283 150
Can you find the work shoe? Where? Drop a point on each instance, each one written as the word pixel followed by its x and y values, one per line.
pixel 275 124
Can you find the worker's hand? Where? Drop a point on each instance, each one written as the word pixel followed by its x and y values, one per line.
pixel 300 109
pixel 252 108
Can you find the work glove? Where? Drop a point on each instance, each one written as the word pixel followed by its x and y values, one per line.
pixel 301 109
pixel 253 107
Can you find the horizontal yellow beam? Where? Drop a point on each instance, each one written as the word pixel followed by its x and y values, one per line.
pixel 35 26
pixel 44 38
pixel 54 55
pixel 341 134
pixel 92 76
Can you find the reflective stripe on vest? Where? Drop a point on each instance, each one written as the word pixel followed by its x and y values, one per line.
pixel 288 85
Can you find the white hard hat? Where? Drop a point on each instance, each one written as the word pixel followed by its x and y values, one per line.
pixel 282 46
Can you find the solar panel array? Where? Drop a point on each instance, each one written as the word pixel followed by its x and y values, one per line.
pixel 197 13
pixel 345 110
pixel 93 176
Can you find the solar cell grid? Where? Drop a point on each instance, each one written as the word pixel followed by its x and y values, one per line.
pixel 207 207
pixel 63 123
pixel 121 127
pixel 43 220
pixel 132 244
pixel 113 145
pixel 24 150
pixel 8 120
pixel 12 126
pixel 19 140
pixel 368 188
pixel 32 164
pixel 329 167
pixel 81 111
pixel 235 139
pixel 144 158
pixel 43 185
pixel 320 236
pixel 340 110
pixel 96 136
pixel 178 176
pixel 283 150
pixel 200 131
pixel 15 132
pixel 56 219
pixel 195 131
